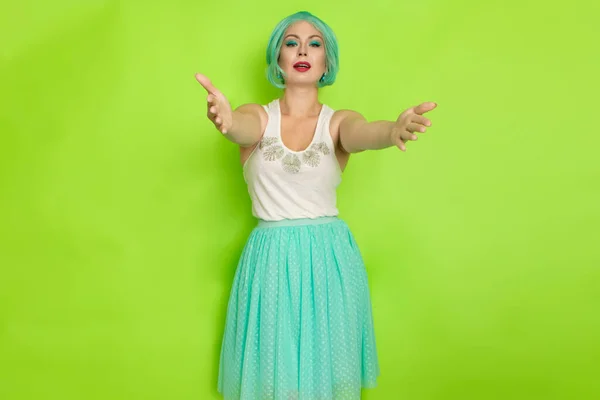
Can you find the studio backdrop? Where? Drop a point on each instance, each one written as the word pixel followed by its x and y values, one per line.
pixel 123 211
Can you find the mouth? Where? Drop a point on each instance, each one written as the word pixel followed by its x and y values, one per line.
pixel 302 66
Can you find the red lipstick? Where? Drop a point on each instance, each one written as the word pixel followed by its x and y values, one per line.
pixel 302 66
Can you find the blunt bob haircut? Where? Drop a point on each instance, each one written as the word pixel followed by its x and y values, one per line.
pixel 275 74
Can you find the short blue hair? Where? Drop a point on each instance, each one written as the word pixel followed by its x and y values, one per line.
pixel 332 62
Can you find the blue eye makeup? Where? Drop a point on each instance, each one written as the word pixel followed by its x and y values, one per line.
pixel 292 43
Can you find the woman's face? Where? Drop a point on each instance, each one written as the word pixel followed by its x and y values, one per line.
pixel 302 54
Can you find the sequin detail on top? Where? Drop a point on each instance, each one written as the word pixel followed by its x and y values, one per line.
pixel 274 150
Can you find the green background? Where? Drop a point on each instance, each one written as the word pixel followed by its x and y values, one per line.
pixel 123 212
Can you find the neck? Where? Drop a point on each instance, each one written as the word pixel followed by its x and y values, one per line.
pixel 298 101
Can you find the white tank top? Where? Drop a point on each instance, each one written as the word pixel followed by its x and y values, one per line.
pixel 287 184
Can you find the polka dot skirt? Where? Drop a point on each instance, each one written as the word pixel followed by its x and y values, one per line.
pixel 299 323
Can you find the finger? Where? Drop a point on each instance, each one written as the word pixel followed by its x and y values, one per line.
pixel 211 116
pixel 206 84
pixel 220 127
pixel 400 144
pixel 413 127
pixel 424 107
pixel 406 136
pixel 419 119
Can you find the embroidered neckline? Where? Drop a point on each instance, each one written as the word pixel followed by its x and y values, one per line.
pixel 274 149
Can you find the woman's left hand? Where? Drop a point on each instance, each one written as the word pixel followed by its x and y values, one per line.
pixel 410 122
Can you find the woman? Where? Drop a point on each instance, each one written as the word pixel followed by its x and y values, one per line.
pixel 299 322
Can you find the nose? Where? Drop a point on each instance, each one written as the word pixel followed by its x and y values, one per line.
pixel 302 51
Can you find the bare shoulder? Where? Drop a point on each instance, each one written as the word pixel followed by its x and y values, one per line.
pixel 250 107
pixel 253 109
pixel 342 117
pixel 257 111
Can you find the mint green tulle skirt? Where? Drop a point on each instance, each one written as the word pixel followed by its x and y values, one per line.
pixel 299 324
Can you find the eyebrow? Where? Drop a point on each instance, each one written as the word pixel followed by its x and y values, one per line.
pixel 298 37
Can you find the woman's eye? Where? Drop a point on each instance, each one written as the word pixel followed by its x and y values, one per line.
pixel 291 43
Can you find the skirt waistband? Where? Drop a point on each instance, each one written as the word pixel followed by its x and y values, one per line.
pixel 296 222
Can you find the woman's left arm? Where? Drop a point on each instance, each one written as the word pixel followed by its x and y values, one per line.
pixel 356 134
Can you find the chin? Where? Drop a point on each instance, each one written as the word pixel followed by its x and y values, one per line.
pixel 306 83
pixel 303 80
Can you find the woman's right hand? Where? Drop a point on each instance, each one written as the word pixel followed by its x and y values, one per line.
pixel 218 109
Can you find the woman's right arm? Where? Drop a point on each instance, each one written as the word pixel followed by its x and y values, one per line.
pixel 244 126
pixel 249 121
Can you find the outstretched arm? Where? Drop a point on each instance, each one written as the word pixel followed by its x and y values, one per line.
pixel 356 134
pixel 244 126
